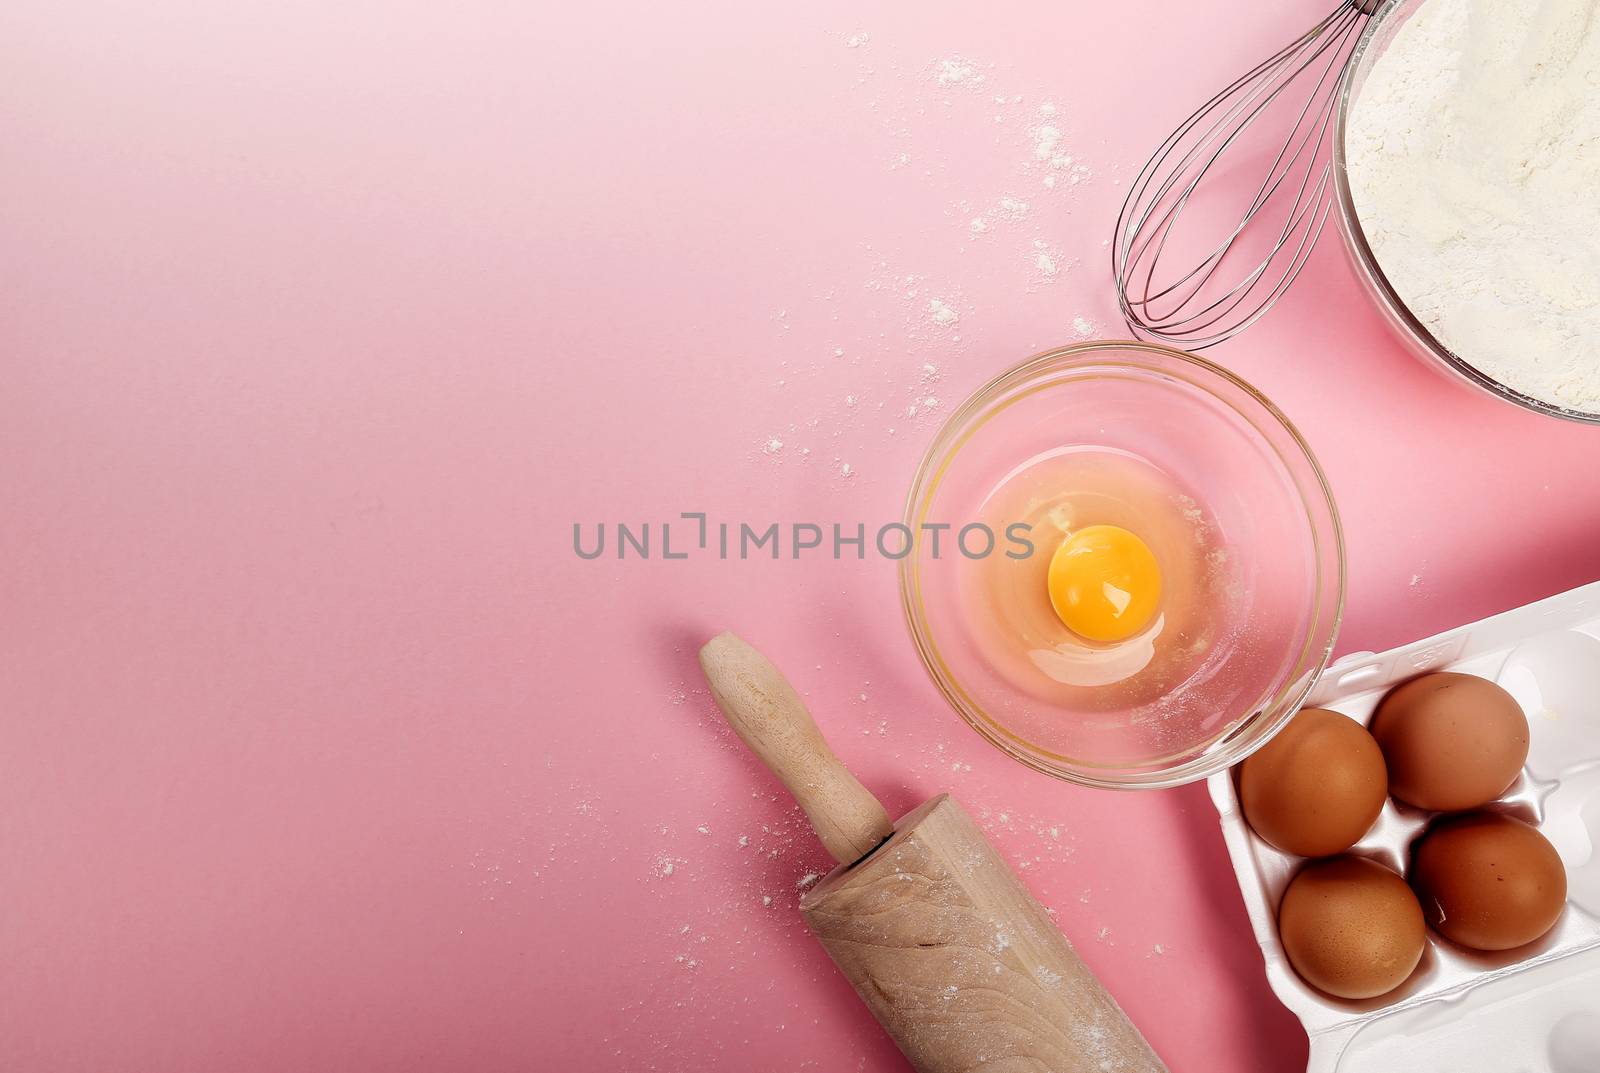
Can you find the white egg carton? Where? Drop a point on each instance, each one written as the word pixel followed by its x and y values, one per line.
pixel 1534 1010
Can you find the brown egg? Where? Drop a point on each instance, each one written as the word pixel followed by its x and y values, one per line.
pixel 1351 927
pixel 1316 787
pixel 1452 741
pixel 1488 881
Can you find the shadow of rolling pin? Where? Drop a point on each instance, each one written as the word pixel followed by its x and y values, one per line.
pixel 937 935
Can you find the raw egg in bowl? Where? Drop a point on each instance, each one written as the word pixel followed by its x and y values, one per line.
pixel 1149 574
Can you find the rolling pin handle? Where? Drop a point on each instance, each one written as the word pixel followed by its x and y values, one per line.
pixel 767 713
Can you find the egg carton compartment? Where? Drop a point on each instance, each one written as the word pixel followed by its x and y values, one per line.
pixel 1535 1008
pixel 1544 1019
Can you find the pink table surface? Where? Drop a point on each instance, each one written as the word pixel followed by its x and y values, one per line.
pixel 322 323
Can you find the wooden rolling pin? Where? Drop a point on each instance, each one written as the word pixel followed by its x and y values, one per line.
pixel 959 962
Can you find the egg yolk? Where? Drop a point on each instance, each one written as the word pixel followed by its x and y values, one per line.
pixel 1105 583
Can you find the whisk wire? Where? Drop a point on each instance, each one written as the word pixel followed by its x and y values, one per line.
pixel 1198 307
pixel 1301 208
pixel 1201 274
pixel 1273 63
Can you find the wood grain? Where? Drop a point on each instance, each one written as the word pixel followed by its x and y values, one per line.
pixel 961 964
pixel 935 932
pixel 765 711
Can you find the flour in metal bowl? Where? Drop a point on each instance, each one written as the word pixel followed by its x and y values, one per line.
pixel 1473 155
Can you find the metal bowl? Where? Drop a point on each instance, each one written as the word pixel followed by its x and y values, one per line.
pixel 1379 34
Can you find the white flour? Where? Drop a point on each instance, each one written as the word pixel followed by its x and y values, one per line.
pixel 1474 161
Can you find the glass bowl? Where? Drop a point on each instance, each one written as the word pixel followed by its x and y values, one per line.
pixel 1378 35
pixel 1237 460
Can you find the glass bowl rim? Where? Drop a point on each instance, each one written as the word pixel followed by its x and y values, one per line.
pixel 1232 745
pixel 1372 274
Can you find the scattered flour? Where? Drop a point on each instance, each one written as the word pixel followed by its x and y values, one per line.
pixel 1046 260
pixel 941 313
pixel 933 114
pixel 1046 139
pixel 956 71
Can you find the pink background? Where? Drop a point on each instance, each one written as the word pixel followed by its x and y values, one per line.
pixel 321 323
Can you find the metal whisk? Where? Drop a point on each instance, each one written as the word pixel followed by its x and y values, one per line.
pixel 1226 278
